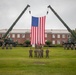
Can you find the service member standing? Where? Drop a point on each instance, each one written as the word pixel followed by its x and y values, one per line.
pixel 42 53
pixel 39 53
pixel 10 46
pixel 47 53
pixel 7 46
pixel 64 46
pixel 72 47
pixel 75 46
pixel 3 45
pixel 30 53
pixel 35 52
pixel 68 47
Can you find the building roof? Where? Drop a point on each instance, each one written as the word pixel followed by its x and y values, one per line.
pixel 15 30
pixel 57 31
pixel 29 30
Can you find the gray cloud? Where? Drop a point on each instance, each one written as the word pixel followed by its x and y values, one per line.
pixel 10 9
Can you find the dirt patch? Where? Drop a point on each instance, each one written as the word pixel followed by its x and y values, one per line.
pixel 39 63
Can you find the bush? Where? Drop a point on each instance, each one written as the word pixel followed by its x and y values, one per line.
pixel 27 43
pixel 57 45
pixel 48 43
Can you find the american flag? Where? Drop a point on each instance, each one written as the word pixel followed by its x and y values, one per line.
pixel 38 30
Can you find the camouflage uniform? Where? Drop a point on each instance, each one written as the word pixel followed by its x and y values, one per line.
pixel 47 53
pixel 3 46
pixel 64 47
pixel 68 47
pixel 6 46
pixel 72 46
pixel 42 52
pixel 10 46
pixel 35 52
pixel 75 46
pixel 39 53
pixel 30 53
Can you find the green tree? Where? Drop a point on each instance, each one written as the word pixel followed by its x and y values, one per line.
pixel 48 43
pixel 27 42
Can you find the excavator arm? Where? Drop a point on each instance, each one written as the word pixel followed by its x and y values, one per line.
pixel 73 33
pixel 15 22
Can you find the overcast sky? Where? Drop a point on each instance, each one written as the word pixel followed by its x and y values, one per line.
pixel 10 10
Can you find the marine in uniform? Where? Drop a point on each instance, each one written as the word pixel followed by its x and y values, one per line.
pixel 47 53
pixel 6 46
pixel 10 46
pixel 3 46
pixel 42 53
pixel 35 52
pixel 39 53
pixel 30 53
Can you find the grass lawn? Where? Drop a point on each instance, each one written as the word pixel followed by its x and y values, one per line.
pixel 17 62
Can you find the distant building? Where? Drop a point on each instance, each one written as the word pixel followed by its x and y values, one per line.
pixel 56 36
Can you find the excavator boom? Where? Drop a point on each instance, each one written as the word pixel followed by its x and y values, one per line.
pixel 74 35
pixel 15 22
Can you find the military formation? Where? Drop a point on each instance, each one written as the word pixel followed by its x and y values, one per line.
pixel 38 53
pixel 7 46
pixel 69 46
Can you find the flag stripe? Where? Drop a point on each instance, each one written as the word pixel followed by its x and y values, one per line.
pixel 43 31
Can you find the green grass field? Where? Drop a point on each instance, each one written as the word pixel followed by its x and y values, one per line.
pixel 17 62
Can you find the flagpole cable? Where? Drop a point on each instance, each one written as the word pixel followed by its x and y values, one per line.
pixel 47 11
